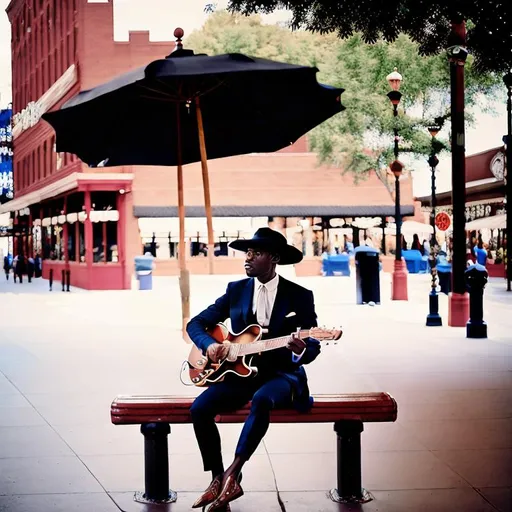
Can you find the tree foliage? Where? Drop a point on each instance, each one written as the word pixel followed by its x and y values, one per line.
pixel 427 22
pixel 360 138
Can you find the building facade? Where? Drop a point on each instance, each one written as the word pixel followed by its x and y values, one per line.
pixel 94 222
pixel 485 186
pixel 75 217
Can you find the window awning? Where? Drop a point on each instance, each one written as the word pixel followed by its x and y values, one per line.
pixel 66 184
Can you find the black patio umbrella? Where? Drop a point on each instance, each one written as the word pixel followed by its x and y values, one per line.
pixel 185 108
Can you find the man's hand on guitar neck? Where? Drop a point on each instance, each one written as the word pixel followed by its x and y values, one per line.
pixel 296 345
pixel 218 351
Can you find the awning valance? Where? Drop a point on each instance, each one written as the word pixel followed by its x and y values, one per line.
pixel 162 226
pixel 494 222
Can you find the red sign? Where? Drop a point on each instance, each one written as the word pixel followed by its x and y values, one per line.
pixel 443 221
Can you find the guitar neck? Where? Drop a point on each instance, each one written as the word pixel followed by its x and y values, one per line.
pixel 266 345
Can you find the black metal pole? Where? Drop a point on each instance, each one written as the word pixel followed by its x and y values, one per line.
pixel 50 280
pixel 398 221
pixel 349 488
pixel 433 318
pixel 383 245
pixel 156 465
pixel 398 215
pixel 459 300
pixel 476 279
pixel 399 278
pixel 508 187
pixel 458 178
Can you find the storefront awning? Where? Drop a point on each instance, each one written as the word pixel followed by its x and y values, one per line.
pixel 72 182
pixel 494 222
pixel 275 211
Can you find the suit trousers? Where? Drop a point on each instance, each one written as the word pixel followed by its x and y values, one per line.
pixel 232 394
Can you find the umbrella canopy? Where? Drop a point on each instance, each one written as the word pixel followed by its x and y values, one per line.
pixel 411 227
pixel 494 222
pixel 187 108
pixel 248 105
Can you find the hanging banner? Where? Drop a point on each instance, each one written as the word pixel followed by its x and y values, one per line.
pixel 6 156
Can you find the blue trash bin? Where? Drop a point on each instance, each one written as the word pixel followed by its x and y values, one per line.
pixel 413 260
pixel 144 271
pixel 145 280
pixel 336 263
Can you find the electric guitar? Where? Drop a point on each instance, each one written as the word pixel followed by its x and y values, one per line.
pixel 203 372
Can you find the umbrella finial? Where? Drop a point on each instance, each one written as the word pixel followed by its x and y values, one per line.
pixel 178 34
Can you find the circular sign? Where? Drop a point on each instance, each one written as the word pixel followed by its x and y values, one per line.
pixel 443 221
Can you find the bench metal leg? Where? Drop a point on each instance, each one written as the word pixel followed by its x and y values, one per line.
pixel 156 465
pixel 349 488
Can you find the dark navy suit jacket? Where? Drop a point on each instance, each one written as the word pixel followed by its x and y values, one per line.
pixel 236 304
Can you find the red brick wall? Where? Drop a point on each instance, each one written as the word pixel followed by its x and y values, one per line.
pixel 100 57
pixel 264 179
pixel 78 33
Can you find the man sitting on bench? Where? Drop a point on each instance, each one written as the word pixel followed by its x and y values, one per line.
pixel 280 307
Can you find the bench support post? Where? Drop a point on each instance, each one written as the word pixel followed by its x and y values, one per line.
pixel 349 488
pixel 156 465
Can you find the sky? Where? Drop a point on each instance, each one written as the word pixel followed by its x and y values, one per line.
pixel 161 17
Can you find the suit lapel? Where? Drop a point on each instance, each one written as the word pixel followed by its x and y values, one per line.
pixel 280 305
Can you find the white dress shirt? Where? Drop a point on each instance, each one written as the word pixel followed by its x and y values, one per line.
pixel 270 299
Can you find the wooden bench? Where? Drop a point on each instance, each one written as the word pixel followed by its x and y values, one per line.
pixel 348 412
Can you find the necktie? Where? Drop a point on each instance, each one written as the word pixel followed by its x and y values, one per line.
pixel 262 305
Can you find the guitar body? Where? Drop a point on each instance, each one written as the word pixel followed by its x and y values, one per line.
pixel 238 361
pixel 203 372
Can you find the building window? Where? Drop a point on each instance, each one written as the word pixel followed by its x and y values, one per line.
pixel 104 237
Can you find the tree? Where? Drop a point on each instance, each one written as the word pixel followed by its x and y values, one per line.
pixel 360 138
pixel 427 22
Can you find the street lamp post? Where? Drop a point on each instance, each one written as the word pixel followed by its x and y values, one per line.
pixel 458 302
pixel 507 79
pixel 399 283
pixel 434 318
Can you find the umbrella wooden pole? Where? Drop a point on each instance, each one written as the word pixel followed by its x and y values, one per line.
pixel 206 186
pixel 182 257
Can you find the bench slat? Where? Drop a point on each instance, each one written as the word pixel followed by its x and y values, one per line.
pixel 366 407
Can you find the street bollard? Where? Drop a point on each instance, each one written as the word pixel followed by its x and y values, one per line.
pixel 63 279
pixel 51 279
pixel 476 279
pixel 156 465
pixel 68 279
pixel 349 489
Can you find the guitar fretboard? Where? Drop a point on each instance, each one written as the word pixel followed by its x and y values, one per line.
pixel 264 345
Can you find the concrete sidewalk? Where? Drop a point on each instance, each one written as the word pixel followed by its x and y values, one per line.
pixel 64 356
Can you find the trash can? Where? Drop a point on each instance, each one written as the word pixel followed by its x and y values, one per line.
pixel 444 273
pixel 144 271
pixel 367 275
pixel 336 264
pixel 413 261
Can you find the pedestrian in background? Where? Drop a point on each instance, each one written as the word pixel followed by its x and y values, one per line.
pixel 7 267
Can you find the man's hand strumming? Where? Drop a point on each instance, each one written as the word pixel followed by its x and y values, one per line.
pixel 217 351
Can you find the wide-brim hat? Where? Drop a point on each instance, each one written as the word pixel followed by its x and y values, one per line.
pixel 270 240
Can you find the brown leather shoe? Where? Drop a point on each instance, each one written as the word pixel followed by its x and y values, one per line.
pixel 211 493
pixel 230 491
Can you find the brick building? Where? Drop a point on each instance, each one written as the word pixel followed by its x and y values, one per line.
pixel 95 221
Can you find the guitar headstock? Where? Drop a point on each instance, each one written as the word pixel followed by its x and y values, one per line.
pixel 323 334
